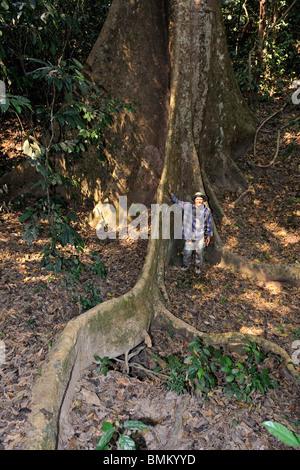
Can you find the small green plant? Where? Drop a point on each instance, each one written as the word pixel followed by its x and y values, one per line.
pixel 296 333
pixel 201 368
pixel 87 292
pixel 31 323
pixel 97 265
pixel 15 104
pixel 92 297
pixel 103 362
pixel 206 367
pixel 124 442
pixel 48 212
pixel 68 130
pixel 282 433
pixel 243 378
pixel 174 372
pixel 176 375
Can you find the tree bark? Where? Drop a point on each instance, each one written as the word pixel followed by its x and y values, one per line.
pixel 262 30
pixel 131 60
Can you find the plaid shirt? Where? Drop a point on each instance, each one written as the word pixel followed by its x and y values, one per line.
pixel 197 223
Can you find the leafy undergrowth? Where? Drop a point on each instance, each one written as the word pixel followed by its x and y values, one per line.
pixel 174 418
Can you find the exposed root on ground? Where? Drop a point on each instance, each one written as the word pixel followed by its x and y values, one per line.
pixel 164 316
pixel 226 258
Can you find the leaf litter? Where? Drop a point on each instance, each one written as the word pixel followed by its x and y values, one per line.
pixel 35 307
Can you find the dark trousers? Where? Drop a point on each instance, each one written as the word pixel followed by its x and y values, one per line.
pixel 190 247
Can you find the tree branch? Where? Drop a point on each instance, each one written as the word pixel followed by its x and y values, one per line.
pixel 264 122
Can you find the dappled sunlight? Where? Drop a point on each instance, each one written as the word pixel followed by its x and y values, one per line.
pixel 289 137
pixel 273 287
pixel 260 303
pixel 264 225
pixel 282 234
pixel 232 242
pixel 252 330
pixel 221 301
pixel 257 202
pixel 31 293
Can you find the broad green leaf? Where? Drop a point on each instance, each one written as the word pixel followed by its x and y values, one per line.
pixel 282 433
pixel 261 388
pixel 206 351
pixel 79 64
pixel 230 378
pixel 63 146
pixel 240 377
pixel 107 426
pixel 35 231
pixel 135 425
pixel 188 360
pixel 126 443
pixel 25 215
pixel 105 439
pixel 5 4
pixel 5 106
pixel 228 360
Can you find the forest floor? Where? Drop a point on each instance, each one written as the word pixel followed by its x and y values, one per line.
pixel 35 307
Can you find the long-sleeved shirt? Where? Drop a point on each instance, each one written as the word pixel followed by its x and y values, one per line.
pixel 197 222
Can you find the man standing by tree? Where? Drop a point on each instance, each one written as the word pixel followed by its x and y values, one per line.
pixel 197 228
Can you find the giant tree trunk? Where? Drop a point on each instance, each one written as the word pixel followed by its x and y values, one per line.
pixel 131 60
pixel 170 60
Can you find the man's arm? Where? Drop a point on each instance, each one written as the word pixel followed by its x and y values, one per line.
pixel 208 228
pixel 174 199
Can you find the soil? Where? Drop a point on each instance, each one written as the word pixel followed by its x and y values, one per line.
pixel 35 307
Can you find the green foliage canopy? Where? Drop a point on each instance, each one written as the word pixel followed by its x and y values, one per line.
pixel 280 48
pixel 47 30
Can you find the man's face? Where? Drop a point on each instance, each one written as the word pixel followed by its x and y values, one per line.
pixel 198 201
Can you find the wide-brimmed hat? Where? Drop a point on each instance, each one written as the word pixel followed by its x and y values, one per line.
pixel 198 194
